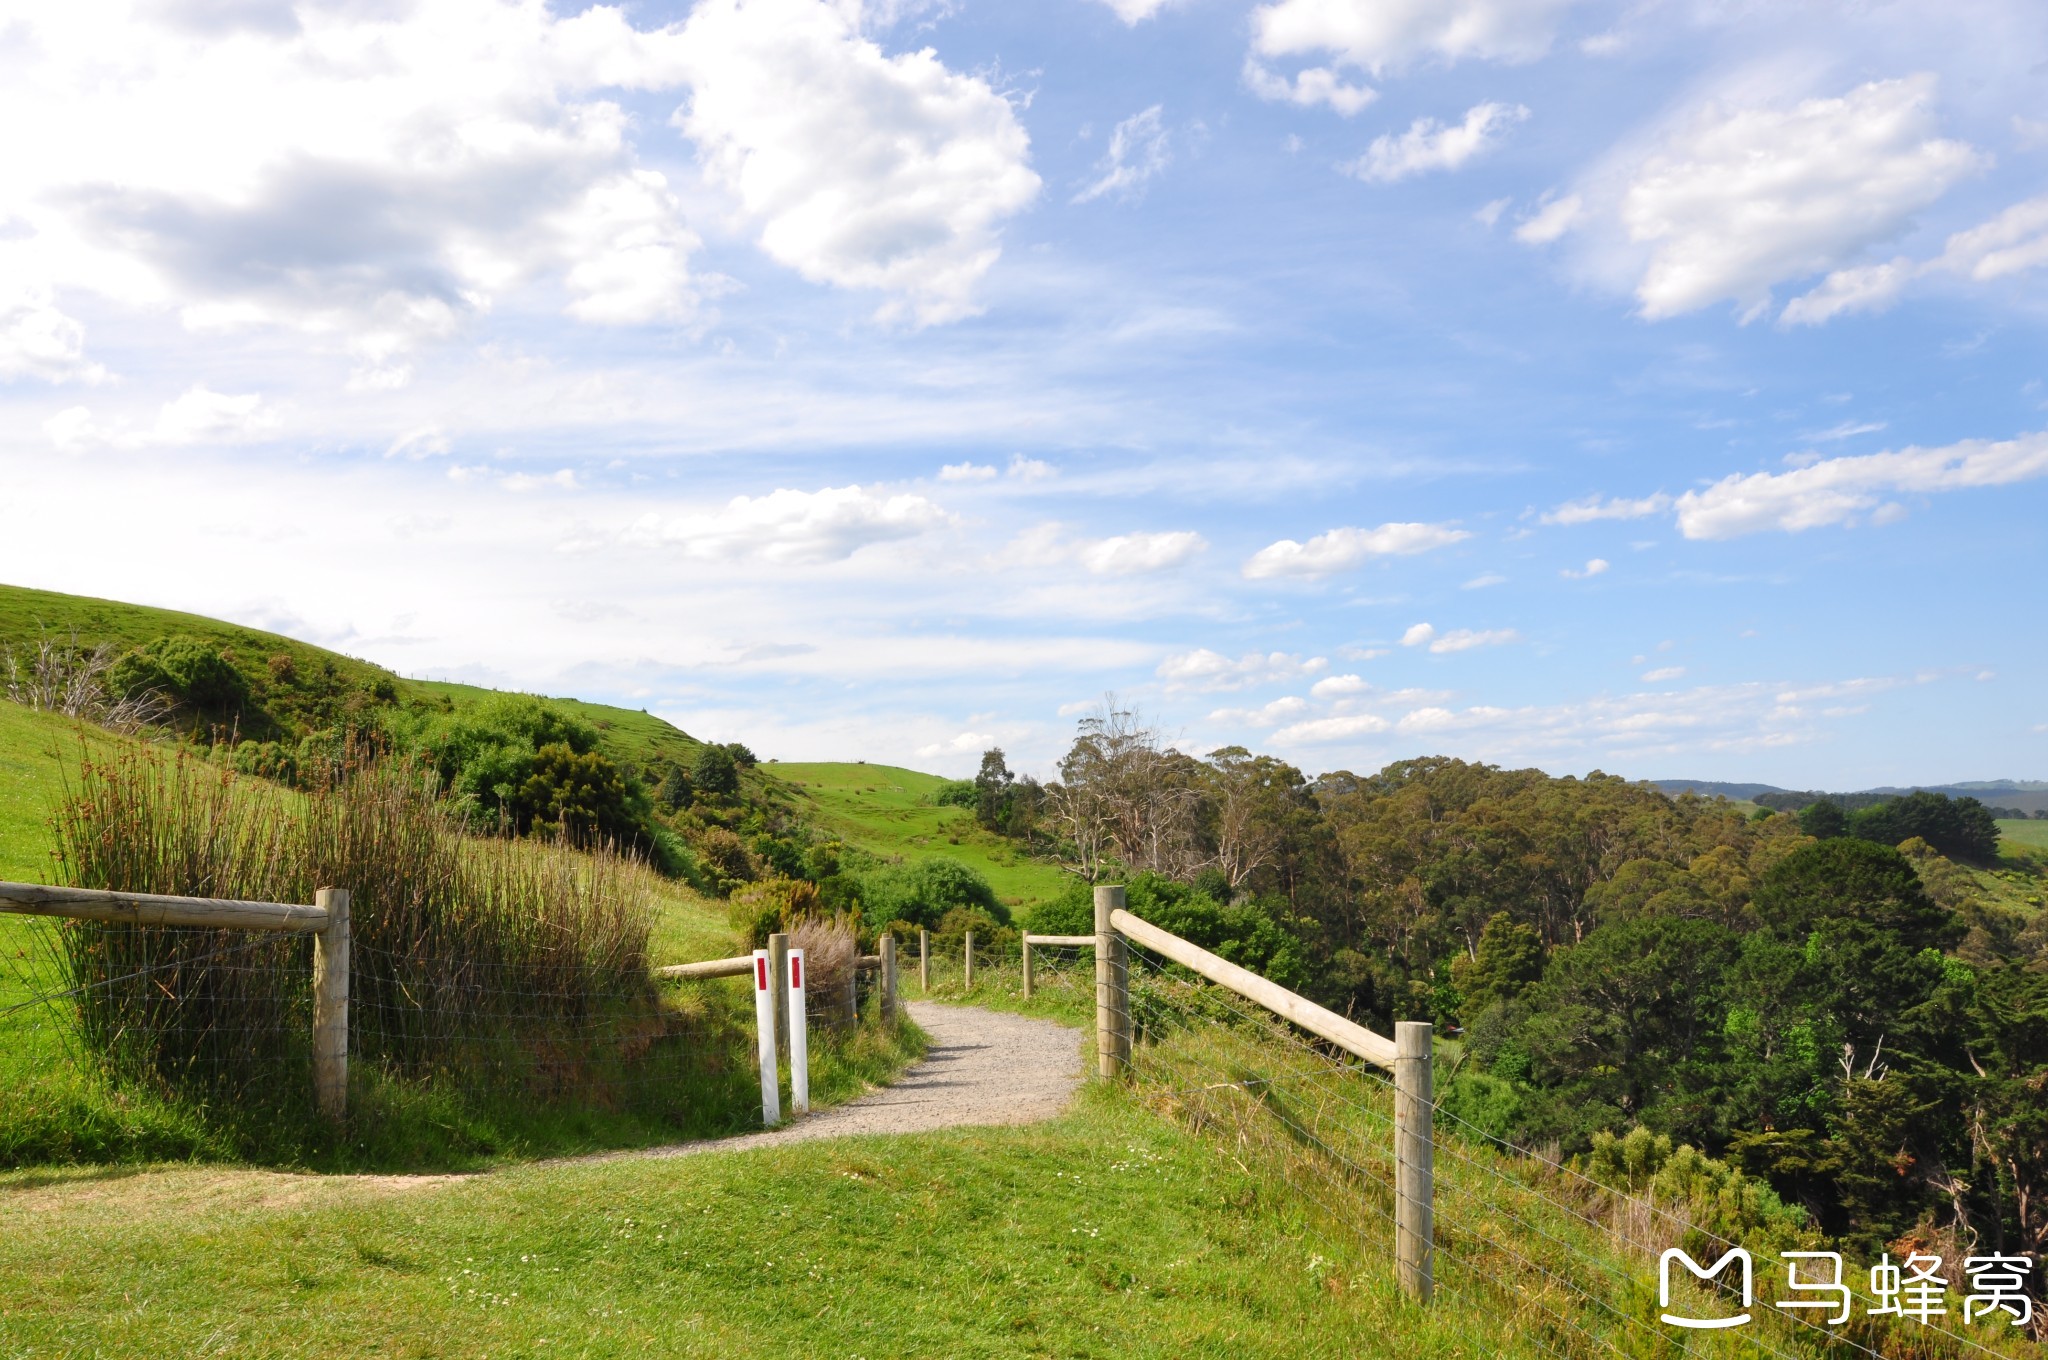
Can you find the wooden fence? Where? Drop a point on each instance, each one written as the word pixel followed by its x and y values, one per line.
pixel 326 920
pixel 1407 1055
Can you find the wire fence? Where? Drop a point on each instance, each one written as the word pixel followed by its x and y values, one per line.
pixel 121 1041
pixel 1562 1264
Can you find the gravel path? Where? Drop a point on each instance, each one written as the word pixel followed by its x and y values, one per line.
pixel 983 1067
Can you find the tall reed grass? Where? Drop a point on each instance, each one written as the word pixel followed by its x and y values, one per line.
pixel 478 961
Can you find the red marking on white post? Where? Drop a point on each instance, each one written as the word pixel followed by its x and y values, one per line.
pixel 799 1039
pixel 764 1021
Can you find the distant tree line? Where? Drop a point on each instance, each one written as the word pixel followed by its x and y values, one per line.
pixel 1854 1008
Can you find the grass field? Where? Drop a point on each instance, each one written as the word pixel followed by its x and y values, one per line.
pixel 2031 833
pixel 890 812
pixel 1107 1233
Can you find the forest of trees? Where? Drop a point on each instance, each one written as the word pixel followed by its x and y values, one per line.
pixel 1855 1007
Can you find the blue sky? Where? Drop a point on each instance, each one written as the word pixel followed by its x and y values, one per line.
pixel 1651 387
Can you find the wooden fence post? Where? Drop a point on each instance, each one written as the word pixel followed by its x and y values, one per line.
pixel 968 985
pixel 1027 967
pixel 1112 988
pixel 924 960
pixel 330 1005
pixel 1414 1159
pixel 889 979
pixel 778 968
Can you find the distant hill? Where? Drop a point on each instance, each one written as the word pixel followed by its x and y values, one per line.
pixel 2025 795
pixel 1713 788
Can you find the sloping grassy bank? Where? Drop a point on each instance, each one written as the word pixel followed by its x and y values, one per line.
pixel 892 812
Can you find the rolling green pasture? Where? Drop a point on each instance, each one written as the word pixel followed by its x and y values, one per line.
pixel 890 812
pixel 2030 833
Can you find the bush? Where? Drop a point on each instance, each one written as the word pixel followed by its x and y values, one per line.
pixel 1242 932
pixel 715 771
pixel 189 672
pixel 957 793
pixel 924 892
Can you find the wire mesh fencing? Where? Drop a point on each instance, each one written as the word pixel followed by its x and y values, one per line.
pixel 1561 1264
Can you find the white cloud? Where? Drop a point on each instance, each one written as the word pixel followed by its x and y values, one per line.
pixel 200 416
pixel 966 472
pixel 1740 199
pixel 1489 212
pixel 1383 35
pixel 1024 469
pixel 1137 153
pixel 39 341
pixel 1593 568
pixel 1316 731
pixel 1837 490
pixel 1457 640
pixel 1342 549
pixel 1339 686
pixel 1866 288
pixel 1491 578
pixel 1267 715
pixel 966 743
pixel 1308 88
pixel 1551 220
pixel 801 527
pixel 370 175
pixel 864 170
pixel 2015 240
pixel 1206 670
pixel 1429 145
pixel 1135 12
pixel 563 480
pixel 1128 554
pixel 1614 507
pixel 1663 673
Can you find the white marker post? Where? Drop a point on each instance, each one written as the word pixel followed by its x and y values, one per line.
pixel 764 1020
pixel 799 1039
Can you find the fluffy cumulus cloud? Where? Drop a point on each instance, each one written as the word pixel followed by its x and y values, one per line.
pixel 1206 670
pixel 1342 549
pixel 2012 242
pixel 864 170
pixel 1842 490
pixel 1737 200
pixel 798 527
pixel 1429 145
pixel 370 174
pixel 1138 153
pixel 1594 567
pixel 1457 640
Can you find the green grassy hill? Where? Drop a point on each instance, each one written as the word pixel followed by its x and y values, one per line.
pixel 2031 834
pixel 892 812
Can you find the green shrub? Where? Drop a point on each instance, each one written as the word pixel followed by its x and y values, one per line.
pixel 957 793
pixel 715 771
pixel 924 892
pixel 191 673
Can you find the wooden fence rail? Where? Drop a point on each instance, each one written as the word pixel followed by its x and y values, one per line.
pixel 1059 941
pixel 326 920
pixel 1407 1056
